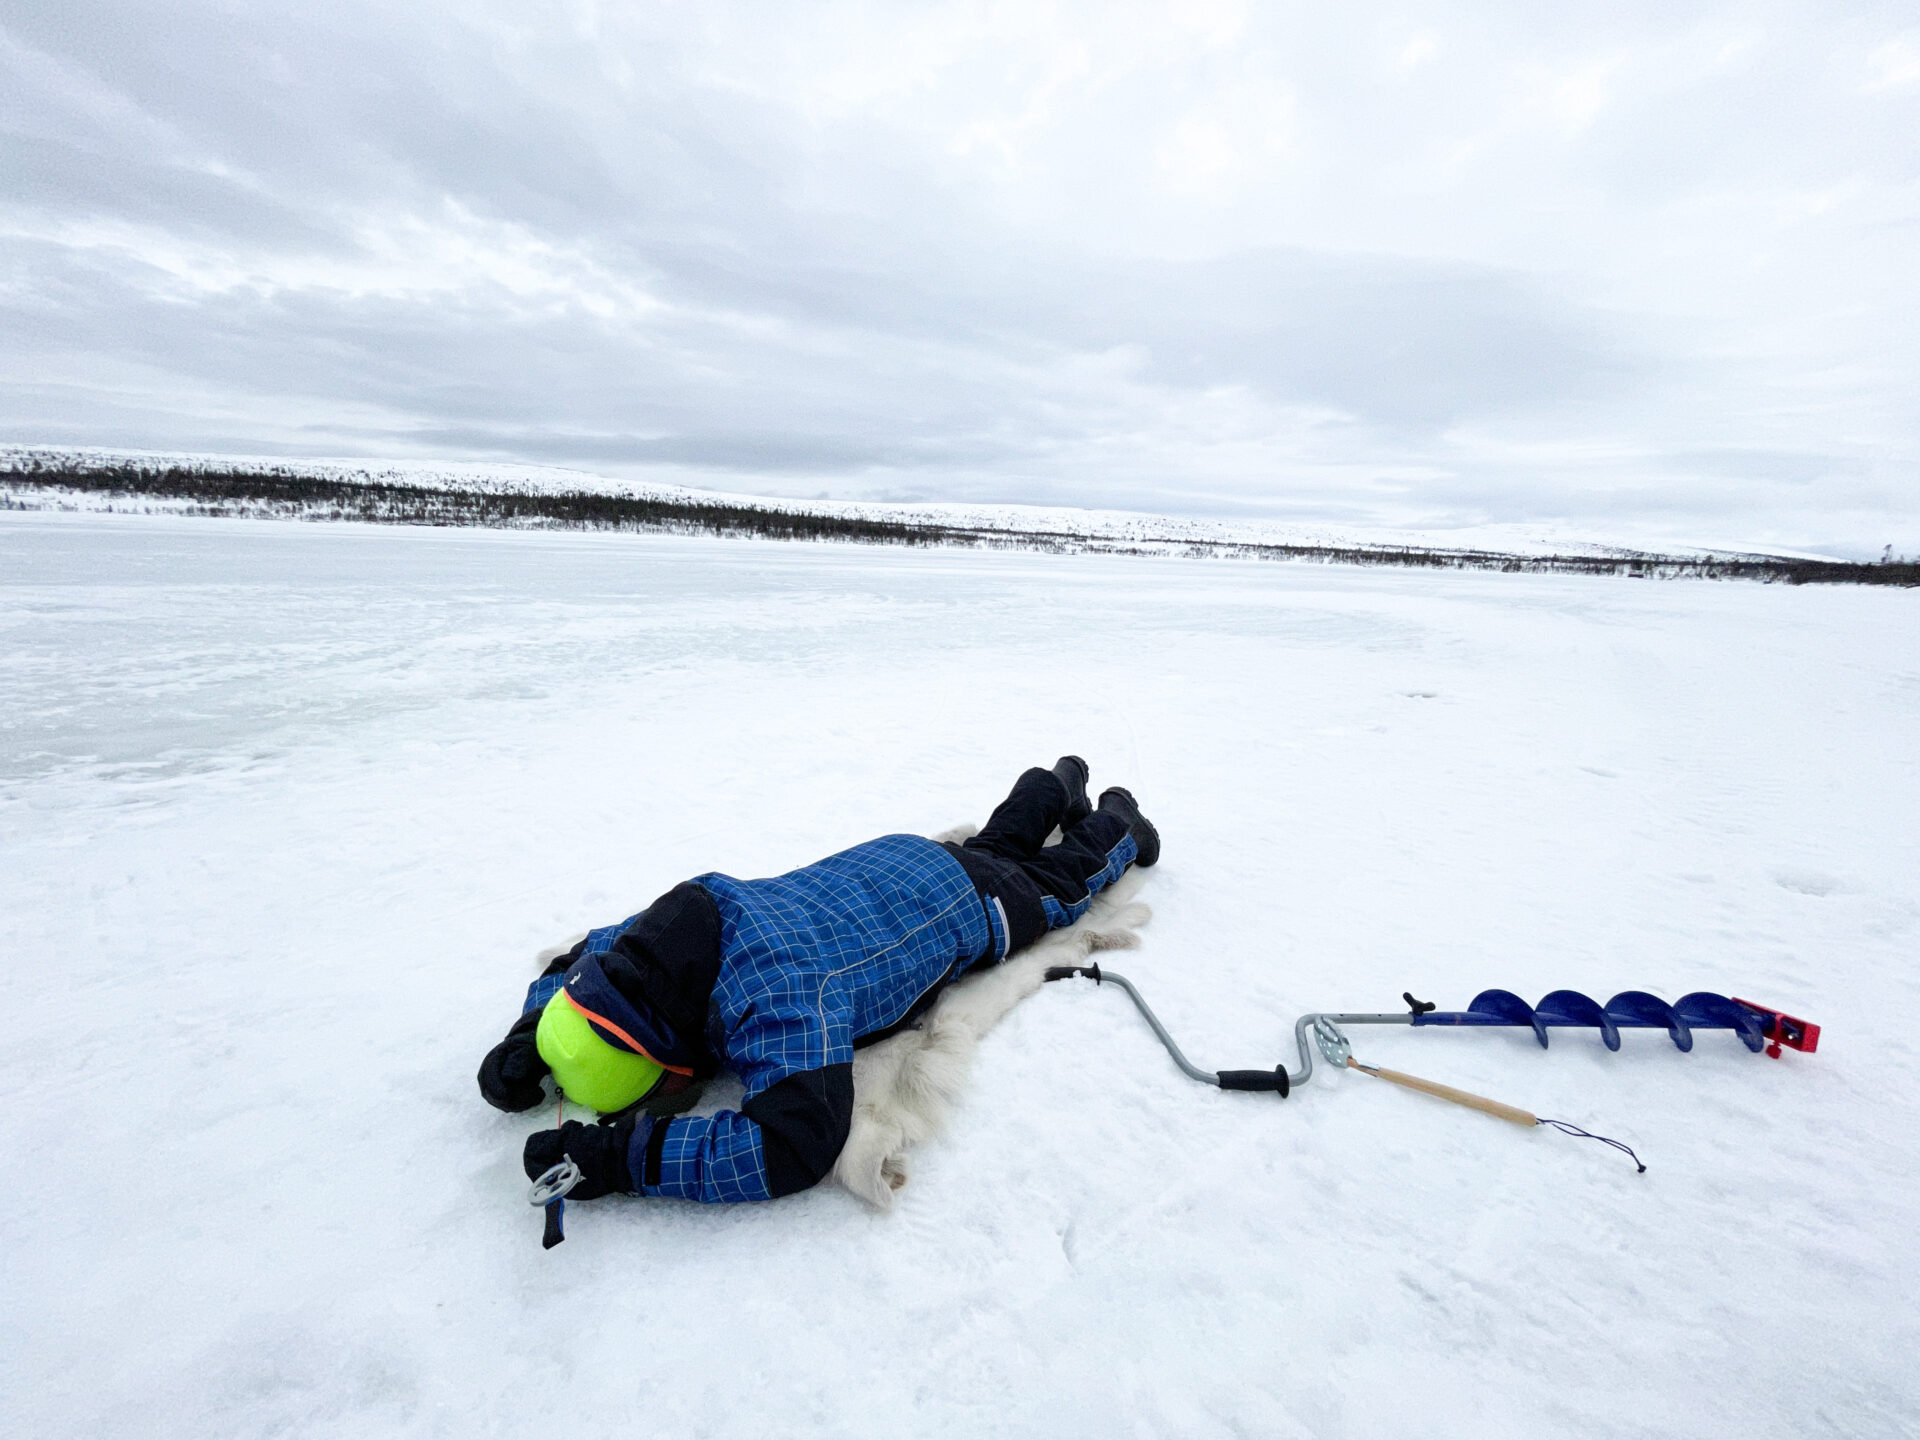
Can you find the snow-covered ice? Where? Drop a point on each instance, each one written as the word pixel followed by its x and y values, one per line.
pixel 286 809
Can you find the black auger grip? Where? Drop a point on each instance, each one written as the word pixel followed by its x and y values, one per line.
pixel 1067 972
pixel 1274 1080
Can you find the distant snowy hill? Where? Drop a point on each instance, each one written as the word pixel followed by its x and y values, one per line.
pixel 1110 526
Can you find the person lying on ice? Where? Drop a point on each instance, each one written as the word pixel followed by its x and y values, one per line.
pixel 782 980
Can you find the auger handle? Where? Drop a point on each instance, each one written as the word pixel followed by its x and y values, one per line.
pixel 1512 1113
pixel 1272 1081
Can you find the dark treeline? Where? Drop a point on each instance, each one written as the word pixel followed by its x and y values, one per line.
pixel 291 493
pixel 286 492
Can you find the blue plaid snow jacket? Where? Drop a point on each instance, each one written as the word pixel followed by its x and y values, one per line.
pixel 779 980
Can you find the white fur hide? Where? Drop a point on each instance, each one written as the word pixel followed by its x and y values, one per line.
pixel 904 1086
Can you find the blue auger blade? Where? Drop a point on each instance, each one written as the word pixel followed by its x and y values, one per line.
pixel 1635 1009
pixel 1704 1010
pixel 1510 1010
pixel 1570 1007
pixel 1490 1007
pixel 1462 1017
pixel 1631 1010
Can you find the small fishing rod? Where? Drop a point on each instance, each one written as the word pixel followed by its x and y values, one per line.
pixel 549 1192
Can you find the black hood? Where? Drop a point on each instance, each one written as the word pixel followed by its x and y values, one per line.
pixel 665 965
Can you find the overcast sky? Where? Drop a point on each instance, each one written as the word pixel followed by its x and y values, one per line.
pixel 1647 270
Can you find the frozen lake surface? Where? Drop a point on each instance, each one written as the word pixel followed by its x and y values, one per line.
pixel 285 811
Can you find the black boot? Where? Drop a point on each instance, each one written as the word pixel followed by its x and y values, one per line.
pixel 1072 772
pixel 1116 801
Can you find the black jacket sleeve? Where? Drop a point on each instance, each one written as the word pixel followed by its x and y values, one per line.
pixel 784 1139
pixel 804 1121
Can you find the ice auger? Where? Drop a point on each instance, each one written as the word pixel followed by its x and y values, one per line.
pixel 1757 1027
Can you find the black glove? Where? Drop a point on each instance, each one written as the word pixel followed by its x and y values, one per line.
pixel 510 1075
pixel 599 1150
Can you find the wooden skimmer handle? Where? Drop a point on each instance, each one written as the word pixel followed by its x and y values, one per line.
pixel 1446 1092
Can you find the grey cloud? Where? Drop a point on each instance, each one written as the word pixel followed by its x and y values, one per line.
pixel 834 305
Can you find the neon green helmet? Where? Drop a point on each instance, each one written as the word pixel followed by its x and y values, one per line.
pixel 593 1073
